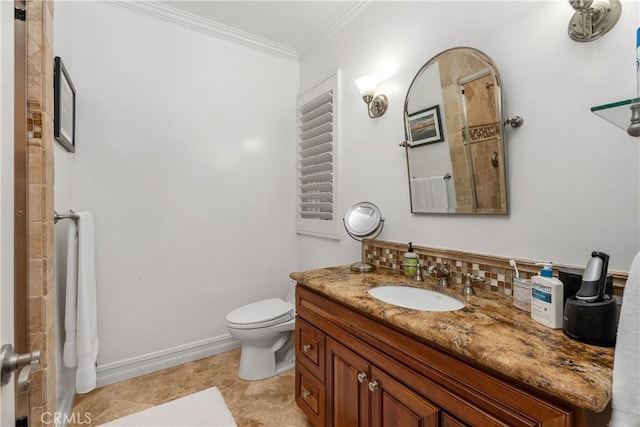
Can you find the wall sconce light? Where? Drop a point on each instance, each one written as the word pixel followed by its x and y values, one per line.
pixel 593 19
pixel 375 106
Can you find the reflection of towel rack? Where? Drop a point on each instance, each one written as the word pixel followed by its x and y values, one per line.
pixel 71 215
pixel 445 176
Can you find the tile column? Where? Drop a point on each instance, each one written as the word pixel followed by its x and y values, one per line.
pixel 40 176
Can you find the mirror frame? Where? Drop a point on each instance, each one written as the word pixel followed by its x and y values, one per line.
pixel 500 135
pixel 374 230
pixel 371 233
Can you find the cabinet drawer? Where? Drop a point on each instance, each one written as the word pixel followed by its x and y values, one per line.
pixel 310 396
pixel 310 344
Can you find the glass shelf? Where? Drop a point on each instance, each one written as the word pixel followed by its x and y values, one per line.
pixel 616 113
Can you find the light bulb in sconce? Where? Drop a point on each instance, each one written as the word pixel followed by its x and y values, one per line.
pixel 593 18
pixel 377 105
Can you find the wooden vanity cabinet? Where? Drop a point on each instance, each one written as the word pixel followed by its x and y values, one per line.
pixel 352 371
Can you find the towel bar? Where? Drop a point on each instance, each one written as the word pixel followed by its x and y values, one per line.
pixel 71 215
pixel 445 176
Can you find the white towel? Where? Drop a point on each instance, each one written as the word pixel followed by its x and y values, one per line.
pixel 429 194
pixel 626 363
pixel 81 320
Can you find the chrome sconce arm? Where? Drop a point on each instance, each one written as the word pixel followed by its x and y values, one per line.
pixel 376 104
pixel 593 19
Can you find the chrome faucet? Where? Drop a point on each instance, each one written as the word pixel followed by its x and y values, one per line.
pixel 442 273
pixel 468 286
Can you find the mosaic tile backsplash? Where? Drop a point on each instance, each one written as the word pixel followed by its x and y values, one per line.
pixel 497 272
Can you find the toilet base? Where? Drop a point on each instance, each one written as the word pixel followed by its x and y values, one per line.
pixel 257 363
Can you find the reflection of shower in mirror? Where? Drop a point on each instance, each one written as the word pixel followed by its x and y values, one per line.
pixel 463 89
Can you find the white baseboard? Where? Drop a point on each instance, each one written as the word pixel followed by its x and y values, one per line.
pixel 147 363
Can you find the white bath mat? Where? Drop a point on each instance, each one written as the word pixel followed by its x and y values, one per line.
pixel 205 408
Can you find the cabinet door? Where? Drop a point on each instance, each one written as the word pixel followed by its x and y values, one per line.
pixel 347 381
pixel 449 421
pixel 393 404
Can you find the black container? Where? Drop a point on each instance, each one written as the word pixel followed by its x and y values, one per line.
pixel 571 279
pixel 591 322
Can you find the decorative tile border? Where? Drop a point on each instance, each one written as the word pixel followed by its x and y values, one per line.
pixel 481 133
pixel 497 272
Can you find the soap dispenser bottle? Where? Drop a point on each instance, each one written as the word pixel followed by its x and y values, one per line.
pixel 410 262
pixel 547 297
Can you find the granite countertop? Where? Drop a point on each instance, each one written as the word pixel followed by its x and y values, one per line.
pixel 488 331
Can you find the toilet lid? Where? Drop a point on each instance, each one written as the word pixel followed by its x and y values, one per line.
pixel 273 311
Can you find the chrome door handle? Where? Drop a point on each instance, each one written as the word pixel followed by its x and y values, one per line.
pixel 306 348
pixel 12 362
pixel 23 383
pixel 373 385
pixel 362 377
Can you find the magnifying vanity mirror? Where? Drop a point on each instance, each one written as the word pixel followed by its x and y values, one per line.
pixel 363 222
pixel 455 142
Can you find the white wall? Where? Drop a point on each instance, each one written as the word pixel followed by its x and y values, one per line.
pixel 185 156
pixel 574 181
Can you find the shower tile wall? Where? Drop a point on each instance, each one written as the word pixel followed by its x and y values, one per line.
pixel 41 275
pixel 485 136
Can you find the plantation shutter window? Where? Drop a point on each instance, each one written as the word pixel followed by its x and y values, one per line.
pixel 317 137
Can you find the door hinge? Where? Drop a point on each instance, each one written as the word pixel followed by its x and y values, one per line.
pixel 20 14
pixel 22 422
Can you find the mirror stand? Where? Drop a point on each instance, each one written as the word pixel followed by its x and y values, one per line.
pixel 363 266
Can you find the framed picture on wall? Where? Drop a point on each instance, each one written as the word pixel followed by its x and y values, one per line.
pixel 64 110
pixel 425 127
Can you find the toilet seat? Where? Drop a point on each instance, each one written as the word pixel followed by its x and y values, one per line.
pixel 260 314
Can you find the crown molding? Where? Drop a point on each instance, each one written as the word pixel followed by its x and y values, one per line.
pixel 335 22
pixel 163 12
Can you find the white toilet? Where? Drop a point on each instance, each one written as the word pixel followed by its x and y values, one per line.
pixel 265 330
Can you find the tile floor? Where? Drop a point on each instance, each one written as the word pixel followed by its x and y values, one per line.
pixel 264 403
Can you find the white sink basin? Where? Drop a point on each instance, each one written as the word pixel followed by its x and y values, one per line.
pixel 416 298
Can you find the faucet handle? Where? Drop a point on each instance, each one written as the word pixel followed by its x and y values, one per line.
pixel 472 278
pixel 468 286
pixel 445 270
pixel 418 276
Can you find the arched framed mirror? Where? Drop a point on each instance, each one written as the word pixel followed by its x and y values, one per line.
pixel 455 141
